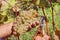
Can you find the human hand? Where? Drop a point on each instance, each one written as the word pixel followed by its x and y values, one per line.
pixel 5 29
pixel 45 37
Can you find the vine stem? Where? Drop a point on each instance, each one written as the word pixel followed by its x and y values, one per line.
pixel 46 21
pixel 53 24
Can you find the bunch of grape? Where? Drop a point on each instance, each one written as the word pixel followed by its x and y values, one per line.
pixel 26 20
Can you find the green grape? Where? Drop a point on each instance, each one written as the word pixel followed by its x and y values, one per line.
pixel 24 20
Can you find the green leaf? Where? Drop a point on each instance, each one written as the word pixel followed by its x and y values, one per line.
pixel 12 2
